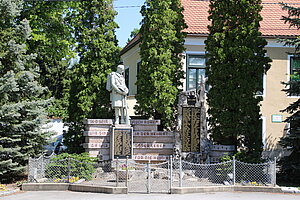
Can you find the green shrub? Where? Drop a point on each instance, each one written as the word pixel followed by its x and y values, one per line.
pixel 64 165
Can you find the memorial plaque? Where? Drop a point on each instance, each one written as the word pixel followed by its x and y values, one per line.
pixel 153 133
pixel 191 129
pixel 122 143
pixel 151 157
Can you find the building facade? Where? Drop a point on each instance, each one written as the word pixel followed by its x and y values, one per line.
pixel 283 65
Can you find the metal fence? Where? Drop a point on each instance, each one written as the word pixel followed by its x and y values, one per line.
pixel 151 177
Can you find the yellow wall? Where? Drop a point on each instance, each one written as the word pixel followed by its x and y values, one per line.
pixel 274 98
pixel 130 59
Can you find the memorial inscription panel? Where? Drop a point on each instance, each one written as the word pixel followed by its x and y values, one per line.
pixel 122 143
pixel 191 129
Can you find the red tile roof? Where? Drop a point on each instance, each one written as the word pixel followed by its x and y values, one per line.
pixel 195 15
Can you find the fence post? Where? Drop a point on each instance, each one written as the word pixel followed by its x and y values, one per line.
pixel 117 172
pixel 234 170
pixel 274 178
pixel 180 172
pixel 149 173
pixel 69 168
pixel 28 168
pixel 126 182
pixel 42 168
pixel 171 171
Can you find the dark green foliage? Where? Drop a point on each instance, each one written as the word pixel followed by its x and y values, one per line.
pixel 290 165
pixel 22 108
pixel 94 31
pixel 160 72
pixel 133 33
pixel 75 165
pixel 236 62
pixel 53 44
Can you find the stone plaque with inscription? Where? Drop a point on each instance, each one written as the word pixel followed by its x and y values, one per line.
pixel 191 120
pixel 122 139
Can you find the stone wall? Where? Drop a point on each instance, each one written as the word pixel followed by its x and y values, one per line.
pixel 148 142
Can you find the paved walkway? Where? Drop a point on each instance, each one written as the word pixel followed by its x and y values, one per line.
pixel 67 195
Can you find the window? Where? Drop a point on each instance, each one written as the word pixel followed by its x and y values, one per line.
pixel 127 77
pixel 264 134
pixel 138 65
pixel 294 68
pixel 293 127
pixel 261 91
pixel 196 65
pixel 294 74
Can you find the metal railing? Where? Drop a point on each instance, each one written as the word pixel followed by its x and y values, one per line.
pixel 151 177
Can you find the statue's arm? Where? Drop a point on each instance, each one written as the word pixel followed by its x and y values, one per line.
pixel 117 89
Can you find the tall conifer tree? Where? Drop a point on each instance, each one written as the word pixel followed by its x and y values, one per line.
pixel 160 73
pixel 290 165
pixel 99 54
pixel 236 63
pixel 22 110
pixel 53 43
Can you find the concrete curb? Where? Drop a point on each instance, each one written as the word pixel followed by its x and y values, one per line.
pixel 73 187
pixel 257 189
pixel 98 189
pixel 186 190
pixel 45 186
pixel 124 190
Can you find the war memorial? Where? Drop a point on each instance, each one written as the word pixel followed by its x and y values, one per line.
pixel 133 156
pixel 140 140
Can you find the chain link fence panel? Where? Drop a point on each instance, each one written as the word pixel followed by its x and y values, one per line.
pixel 160 177
pixel 255 174
pixel 186 174
pixel 138 175
pixel 150 177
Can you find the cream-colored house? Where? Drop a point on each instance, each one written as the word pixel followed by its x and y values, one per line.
pixel 283 64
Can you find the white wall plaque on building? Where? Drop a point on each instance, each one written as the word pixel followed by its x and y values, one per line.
pixel 276 118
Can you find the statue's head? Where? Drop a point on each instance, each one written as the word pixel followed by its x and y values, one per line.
pixel 120 69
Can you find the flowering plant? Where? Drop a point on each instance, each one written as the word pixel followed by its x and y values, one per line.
pixel 72 179
pixel 3 187
pixel 124 167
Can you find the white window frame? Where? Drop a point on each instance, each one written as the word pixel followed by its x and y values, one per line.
pixel 186 54
pixel 264 131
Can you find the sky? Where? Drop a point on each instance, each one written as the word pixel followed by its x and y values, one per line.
pixel 128 18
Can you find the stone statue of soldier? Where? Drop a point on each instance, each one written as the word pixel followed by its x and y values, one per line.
pixel 118 91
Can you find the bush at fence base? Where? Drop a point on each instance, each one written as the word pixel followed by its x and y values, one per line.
pixel 75 165
pixel 219 173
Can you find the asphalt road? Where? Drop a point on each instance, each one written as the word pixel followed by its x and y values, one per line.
pixel 67 195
